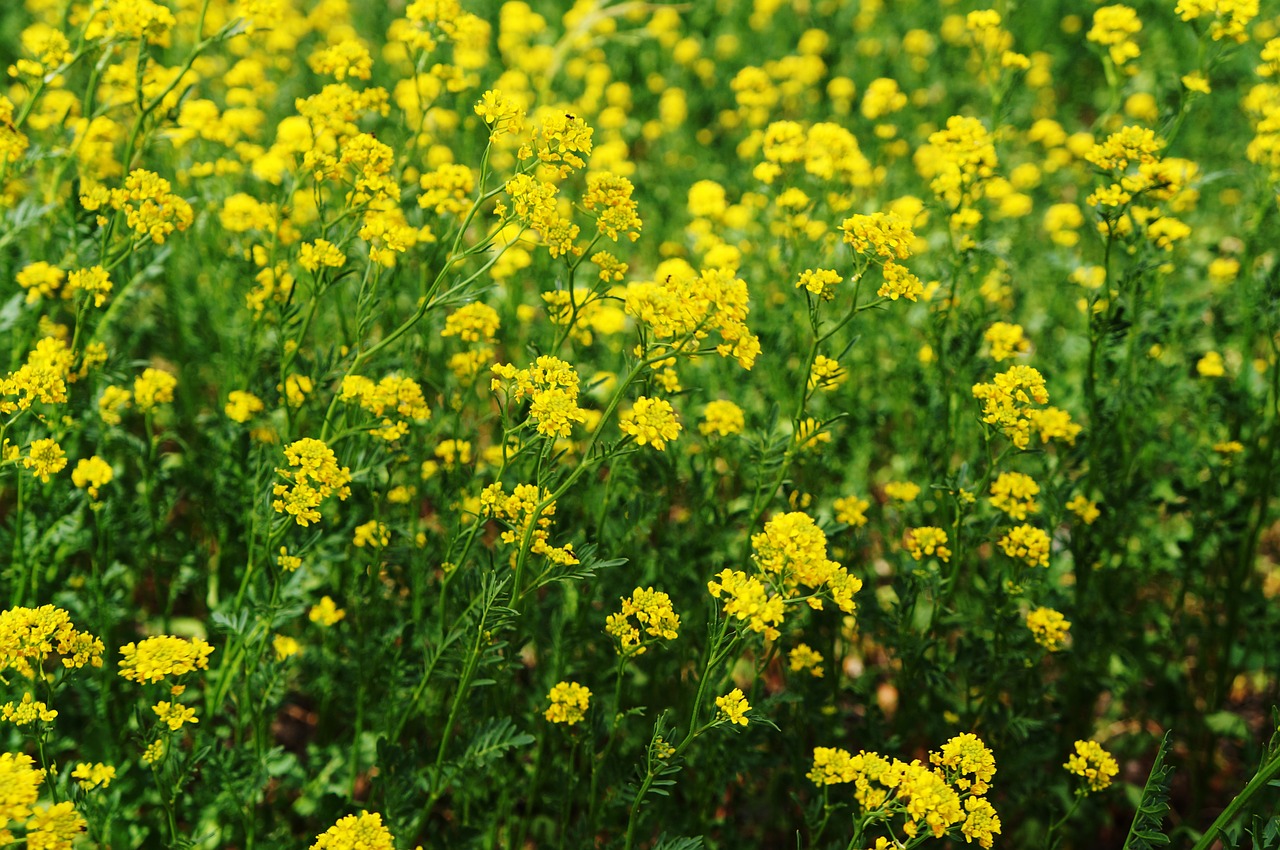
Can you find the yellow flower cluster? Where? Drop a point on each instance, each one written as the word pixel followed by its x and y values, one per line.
pixel 518 511
pixel 1014 493
pixel 1114 28
pixel 749 600
pixel 1028 543
pixel 650 422
pixel 174 715
pixel 394 394
pixel 965 160
pixel 569 702
pixel 820 282
pixel 373 534
pixel 1092 763
pixel 1084 507
pixel 1230 17
pixel 147 200
pixel 1006 340
pixel 45 458
pixel 825 150
pixel 156 658
pixel 609 197
pixel 733 707
pixel 552 387
pixel 89 776
pixel 474 322
pixel 653 613
pixel 684 308
pixel 851 510
pixel 313 476
pixel 28 711
pixel 51 827
pixel 791 552
pixel 1008 402
pixel 884 235
pixel 722 418
pixel 1048 627
pixel 153 387
pixel 31 636
pixel 805 657
pixel 356 832
pixel 326 612
pixel 928 541
pixel 941 798
pixel 43 378
pixel 241 406
pixel 558 141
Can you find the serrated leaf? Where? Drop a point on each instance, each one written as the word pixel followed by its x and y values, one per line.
pixel 493 739
pixel 1147 830
pixel 678 843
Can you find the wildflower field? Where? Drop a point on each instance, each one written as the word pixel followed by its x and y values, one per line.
pixel 457 423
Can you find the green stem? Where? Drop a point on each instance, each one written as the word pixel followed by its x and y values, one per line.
pixel 1260 780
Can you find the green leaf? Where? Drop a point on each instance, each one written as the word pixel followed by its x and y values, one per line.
pixel 1147 831
pixel 1228 724
pixel 494 739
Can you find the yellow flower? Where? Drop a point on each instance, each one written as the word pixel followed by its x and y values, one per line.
pixel 1083 507
pixel 748 600
pixel 45 458
pixel 93 281
pixel 981 822
pixel 54 827
pixel 1114 28
pixel 164 655
pixel 965 756
pixel 851 510
pixel 154 752
pixel 820 282
pixel 90 776
pixel 174 715
pixel 285 647
pixel 21 780
pixel 1027 543
pixel 1196 81
pixel 651 421
pixel 805 657
pixel 903 491
pixel 29 636
pixel 372 533
pixel 241 406
pixel 722 418
pixel 153 387
pixel 27 712
pixel 356 832
pixel 320 254
pixel 1006 340
pixel 928 541
pixel 733 707
pixel 326 612
pixel 313 476
pixel 1014 493
pixel 1211 366
pixel 653 613
pixel 112 402
pixel 1048 627
pixel 569 702
pixel 92 473
pixel 883 234
pixel 1094 764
